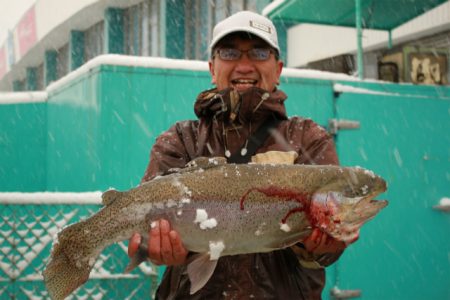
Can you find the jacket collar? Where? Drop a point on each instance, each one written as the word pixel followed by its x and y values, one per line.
pixel 230 106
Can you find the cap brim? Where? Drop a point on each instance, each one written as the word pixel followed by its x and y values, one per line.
pixel 255 32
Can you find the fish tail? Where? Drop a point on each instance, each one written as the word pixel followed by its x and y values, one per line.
pixel 63 274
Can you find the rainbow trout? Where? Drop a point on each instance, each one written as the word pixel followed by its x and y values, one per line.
pixel 221 209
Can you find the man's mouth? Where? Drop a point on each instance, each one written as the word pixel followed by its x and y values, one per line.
pixel 241 84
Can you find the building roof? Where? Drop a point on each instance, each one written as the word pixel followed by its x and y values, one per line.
pixel 375 14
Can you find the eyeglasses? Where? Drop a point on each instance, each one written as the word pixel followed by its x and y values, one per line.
pixel 259 54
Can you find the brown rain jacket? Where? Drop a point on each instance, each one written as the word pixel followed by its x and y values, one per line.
pixel 226 119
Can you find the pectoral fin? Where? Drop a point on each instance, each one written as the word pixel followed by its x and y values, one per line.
pixel 200 270
pixel 290 240
pixel 140 256
pixel 136 260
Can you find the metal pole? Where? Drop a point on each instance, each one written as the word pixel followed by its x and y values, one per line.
pixel 390 39
pixel 360 62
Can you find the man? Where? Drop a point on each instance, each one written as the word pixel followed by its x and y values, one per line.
pixel 245 67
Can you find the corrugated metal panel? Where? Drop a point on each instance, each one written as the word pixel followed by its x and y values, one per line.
pixel 439 41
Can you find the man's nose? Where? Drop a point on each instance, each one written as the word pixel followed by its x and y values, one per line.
pixel 244 64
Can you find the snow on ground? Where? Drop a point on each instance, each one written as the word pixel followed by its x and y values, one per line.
pixel 22 97
pixel 51 198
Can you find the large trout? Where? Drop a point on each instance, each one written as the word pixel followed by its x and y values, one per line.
pixel 221 209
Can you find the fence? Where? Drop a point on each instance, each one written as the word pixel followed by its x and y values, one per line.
pixel 29 223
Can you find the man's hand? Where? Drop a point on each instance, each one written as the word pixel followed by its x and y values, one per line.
pixel 320 243
pixel 164 245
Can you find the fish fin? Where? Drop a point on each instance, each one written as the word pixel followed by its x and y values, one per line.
pixel 205 163
pixel 110 196
pixel 62 276
pixel 200 270
pixel 140 256
pixel 290 240
pixel 199 163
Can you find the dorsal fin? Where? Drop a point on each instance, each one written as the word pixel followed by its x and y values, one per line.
pixel 110 196
pixel 200 163
pixel 206 162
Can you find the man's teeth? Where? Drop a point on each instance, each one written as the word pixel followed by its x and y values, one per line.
pixel 244 81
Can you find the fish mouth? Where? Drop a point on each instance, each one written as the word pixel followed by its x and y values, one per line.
pixel 243 84
pixel 337 203
pixel 364 200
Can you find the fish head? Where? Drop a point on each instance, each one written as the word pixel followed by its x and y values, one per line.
pixel 352 183
pixel 346 202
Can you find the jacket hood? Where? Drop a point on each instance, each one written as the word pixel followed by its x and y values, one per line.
pixel 232 106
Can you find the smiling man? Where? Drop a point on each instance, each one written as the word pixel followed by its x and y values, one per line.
pixel 243 119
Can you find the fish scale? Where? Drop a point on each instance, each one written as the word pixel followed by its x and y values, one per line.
pixel 220 209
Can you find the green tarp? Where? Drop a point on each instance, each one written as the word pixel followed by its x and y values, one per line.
pixel 375 14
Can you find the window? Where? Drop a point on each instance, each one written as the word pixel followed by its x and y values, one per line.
pixel 200 18
pixel 19 85
pixel 133 29
pixel 154 27
pixel 62 61
pixel 199 21
pixel 93 41
pixel 40 77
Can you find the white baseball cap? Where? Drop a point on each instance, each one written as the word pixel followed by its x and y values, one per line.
pixel 246 21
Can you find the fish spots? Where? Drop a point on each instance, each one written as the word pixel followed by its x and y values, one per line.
pixel 201 217
pixel 215 249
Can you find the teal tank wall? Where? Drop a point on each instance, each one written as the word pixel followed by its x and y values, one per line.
pixel 103 125
pixel 23 147
pixel 403 253
pixel 95 132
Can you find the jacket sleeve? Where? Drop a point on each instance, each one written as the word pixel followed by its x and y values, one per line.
pixel 168 152
pixel 314 145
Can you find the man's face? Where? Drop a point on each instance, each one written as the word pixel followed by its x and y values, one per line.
pixel 244 72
